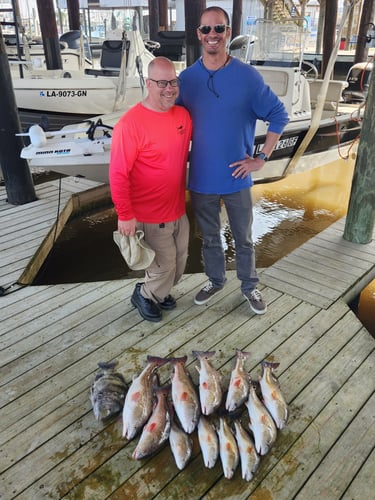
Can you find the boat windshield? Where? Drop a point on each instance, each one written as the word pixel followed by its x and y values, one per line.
pixel 276 44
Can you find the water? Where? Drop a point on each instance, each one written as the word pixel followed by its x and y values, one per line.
pixel 286 214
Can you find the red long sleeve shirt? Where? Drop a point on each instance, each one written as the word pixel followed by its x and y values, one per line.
pixel 147 170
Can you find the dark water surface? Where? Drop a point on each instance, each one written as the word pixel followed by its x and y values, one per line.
pixel 286 214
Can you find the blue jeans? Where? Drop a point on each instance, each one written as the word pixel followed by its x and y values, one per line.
pixel 239 208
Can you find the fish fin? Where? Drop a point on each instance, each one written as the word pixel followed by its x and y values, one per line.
pixel 107 365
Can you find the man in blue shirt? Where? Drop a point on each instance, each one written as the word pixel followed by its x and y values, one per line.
pixel 225 98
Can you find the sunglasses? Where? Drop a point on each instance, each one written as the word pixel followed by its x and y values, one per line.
pixel 218 28
pixel 162 84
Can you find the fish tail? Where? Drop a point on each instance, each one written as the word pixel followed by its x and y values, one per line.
pixel 163 390
pixel 107 365
pixel 203 354
pixel 182 360
pixel 242 354
pixel 158 361
pixel 270 364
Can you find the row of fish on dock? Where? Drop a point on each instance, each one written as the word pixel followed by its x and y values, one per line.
pixel 158 413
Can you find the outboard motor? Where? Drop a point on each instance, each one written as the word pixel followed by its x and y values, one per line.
pixel 358 79
pixel 73 39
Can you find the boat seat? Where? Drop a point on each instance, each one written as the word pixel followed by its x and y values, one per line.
pixel 276 80
pixel 111 54
pixel 333 96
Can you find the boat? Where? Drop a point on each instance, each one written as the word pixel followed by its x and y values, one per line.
pixel 69 96
pixel 29 55
pixel 275 50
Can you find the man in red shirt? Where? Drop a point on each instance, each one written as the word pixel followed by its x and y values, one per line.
pixel 147 177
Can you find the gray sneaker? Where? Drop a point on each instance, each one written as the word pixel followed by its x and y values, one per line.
pixel 255 300
pixel 206 293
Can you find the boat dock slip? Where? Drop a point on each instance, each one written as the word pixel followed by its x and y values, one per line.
pixel 52 337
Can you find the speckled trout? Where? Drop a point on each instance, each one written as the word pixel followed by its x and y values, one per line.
pixel 210 383
pixel 261 423
pixel 184 395
pixel 228 449
pixel 208 441
pixel 181 445
pixel 156 430
pixel 238 389
pixel 248 456
pixel 138 401
pixel 272 396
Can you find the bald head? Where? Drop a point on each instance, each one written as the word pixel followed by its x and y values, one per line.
pixel 161 65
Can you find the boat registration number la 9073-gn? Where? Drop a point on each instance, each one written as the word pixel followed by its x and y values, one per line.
pixel 63 93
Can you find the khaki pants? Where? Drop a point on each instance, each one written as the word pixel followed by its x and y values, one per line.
pixel 170 241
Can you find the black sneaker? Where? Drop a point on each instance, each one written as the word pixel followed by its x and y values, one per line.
pixel 206 293
pixel 146 307
pixel 168 303
pixel 255 300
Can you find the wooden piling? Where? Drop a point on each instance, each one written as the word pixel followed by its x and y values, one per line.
pixel 361 212
pixel 48 26
pixel 193 11
pixel 18 181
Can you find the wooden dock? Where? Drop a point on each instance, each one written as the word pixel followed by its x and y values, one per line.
pixel 52 337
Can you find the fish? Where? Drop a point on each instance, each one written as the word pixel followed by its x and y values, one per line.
pixel 239 383
pixel 228 448
pixel 273 398
pixel 210 383
pixel 157 428
pixel 249 457
pixel 261 422
pixel 181 445
pixel 208 441
pixel 108 390
pixel 184 395
pixel 139 399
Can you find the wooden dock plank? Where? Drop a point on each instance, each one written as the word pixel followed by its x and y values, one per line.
pixel 314 411
pixel 304 272
pixel 51 338
pixel 328 480
pixel 359 486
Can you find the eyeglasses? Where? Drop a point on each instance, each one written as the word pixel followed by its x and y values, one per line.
pixel 218 28
pixel 162 84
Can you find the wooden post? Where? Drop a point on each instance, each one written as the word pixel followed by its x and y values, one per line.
pixel 193 11
pixel 17 176
pixel 73 15
pixel 360 218
pixel 329 33
pixel 368 12
pixel 163 15
pixel 153 19
pixel 50 37
pixel 319 38
pixel 236 18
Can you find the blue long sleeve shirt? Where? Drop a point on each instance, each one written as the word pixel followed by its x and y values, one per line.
pixel 225 105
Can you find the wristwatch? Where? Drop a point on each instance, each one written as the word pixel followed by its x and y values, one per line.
pixel 262 156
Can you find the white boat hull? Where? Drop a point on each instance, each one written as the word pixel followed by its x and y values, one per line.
pixel 72 96
pixel 339 127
